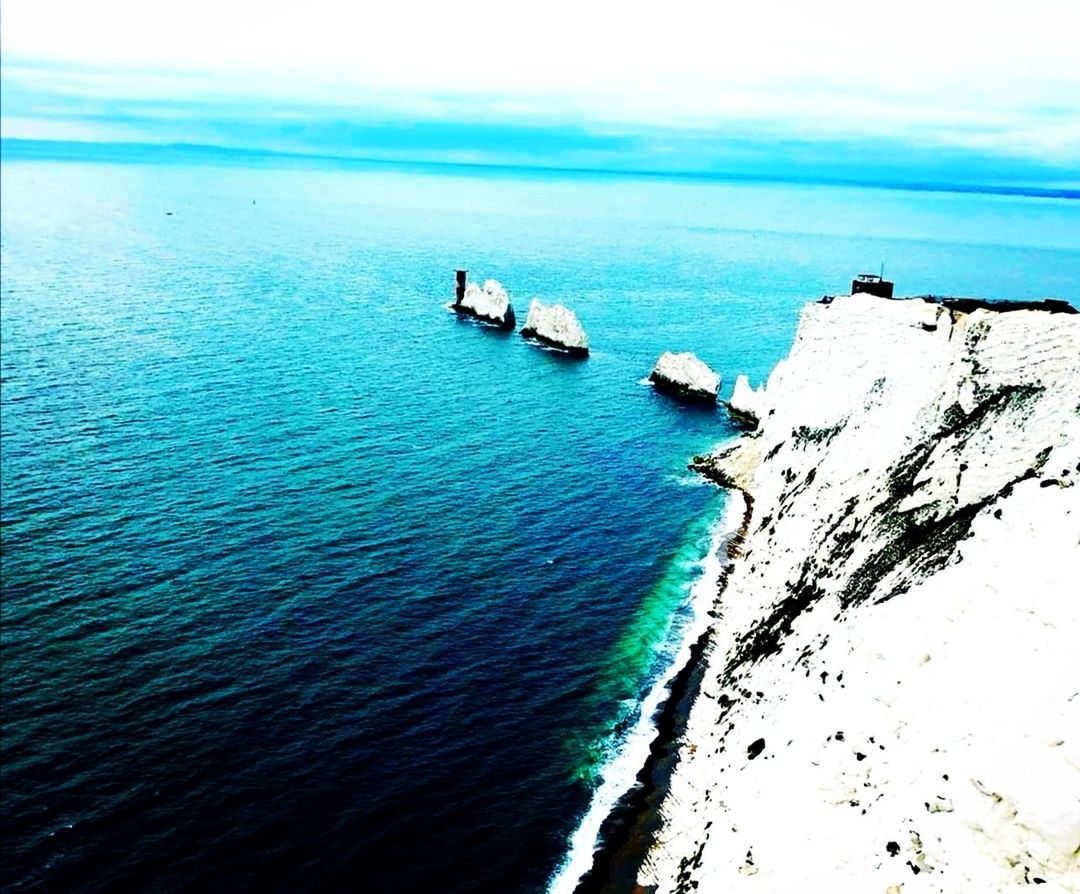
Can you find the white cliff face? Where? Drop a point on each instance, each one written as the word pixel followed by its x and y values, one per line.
pixel 891 695
pixel 488 302
pixel 555 325
pixel 747 404
pixel 686 375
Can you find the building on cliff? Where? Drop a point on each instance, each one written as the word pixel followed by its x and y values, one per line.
pixel 872 284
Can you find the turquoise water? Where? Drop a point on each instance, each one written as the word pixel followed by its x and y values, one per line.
pixel 309 584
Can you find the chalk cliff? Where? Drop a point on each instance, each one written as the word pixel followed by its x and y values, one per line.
pixel 684 375
pixel 489 303
pixel 890 698
pixel 556 326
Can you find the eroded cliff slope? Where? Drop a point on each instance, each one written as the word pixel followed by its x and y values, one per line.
pixel 892 693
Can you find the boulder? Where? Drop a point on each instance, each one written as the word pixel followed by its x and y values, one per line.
pixel 556 326
pixel 685 376
pixel 747 405
pixel 488 303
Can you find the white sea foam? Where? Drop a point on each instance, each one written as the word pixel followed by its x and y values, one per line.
pixel 629 753
pixel 689 480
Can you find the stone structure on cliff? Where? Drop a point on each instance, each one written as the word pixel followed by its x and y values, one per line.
pixel 888 696
pixel 557 327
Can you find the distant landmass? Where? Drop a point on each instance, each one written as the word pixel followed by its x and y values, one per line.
pixel 124 152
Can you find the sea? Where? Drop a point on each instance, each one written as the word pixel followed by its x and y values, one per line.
pixel 309 584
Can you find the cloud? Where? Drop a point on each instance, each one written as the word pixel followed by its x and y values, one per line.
pixel 997 77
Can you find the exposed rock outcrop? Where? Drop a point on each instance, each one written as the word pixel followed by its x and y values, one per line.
pixel 488 303
pixel 732 465
pixel 685 376
pixel 747 405
pixel 889 695
pixel 557 327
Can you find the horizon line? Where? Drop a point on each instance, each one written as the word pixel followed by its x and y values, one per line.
pixel 946 186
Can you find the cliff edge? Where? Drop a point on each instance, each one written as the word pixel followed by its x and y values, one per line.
pixel 891 698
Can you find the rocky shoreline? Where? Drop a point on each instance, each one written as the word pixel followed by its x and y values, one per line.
pixel 846 723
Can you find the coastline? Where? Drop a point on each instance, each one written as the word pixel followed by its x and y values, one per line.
pixel 626 778
pixel 465 599
pixel 626 833
pixel 890 558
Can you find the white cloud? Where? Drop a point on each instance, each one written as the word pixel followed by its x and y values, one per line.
pixel 74 131
pixel 926 68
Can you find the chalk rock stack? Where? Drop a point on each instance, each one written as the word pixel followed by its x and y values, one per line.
pixel 747 405
pixel 489 303
pixel 685 376
pixel 557 327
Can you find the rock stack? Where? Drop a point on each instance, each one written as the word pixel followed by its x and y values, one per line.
pixel 747 405
pixel 686 377
pixel 557 327
pixel 488 303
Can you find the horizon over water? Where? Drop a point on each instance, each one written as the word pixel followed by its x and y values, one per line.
pixel 310 584
pixel 205 153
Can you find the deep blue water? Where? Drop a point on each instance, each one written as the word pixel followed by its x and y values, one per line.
pixel 307 583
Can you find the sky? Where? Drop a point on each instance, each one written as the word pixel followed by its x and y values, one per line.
pixel 927 88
